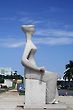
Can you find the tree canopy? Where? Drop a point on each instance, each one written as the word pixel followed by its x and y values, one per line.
pixel 68 74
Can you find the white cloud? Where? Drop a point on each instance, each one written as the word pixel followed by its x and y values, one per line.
pixel 11 43
pixel 7 18
pixel 61 33
pixel 54 33
pixel 29 20
pixel 54 41
pixel 54 37
pixel 14 43
pixel 51 37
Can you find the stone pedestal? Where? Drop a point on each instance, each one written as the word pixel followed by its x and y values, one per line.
pixel 35 92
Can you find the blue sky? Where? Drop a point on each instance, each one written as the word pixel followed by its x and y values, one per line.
pixel 53 20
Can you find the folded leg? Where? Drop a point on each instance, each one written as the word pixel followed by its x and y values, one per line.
pixel 51 87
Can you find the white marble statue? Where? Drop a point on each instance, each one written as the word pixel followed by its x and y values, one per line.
pixel 32 71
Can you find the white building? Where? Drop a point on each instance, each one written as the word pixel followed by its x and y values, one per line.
pixel 8 82
pixel 5 71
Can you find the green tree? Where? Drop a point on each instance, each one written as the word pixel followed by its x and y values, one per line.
pixel 68 74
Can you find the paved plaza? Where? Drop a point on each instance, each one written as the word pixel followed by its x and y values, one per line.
pixel 10 100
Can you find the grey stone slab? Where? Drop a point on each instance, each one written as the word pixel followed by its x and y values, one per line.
pixel 41 107
pixel 47 106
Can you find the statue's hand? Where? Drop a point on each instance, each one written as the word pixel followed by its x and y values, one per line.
pixel 42 70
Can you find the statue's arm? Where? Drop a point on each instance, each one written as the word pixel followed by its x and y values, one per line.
pixel 26 62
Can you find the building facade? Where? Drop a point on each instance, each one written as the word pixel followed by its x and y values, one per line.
pixel 5 71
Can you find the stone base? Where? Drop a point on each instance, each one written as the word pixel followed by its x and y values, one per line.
pixel 35 92
pixel 46 106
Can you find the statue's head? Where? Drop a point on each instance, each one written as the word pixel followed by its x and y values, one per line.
pixel 28 28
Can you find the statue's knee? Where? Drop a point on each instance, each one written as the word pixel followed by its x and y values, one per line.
pixel 52 75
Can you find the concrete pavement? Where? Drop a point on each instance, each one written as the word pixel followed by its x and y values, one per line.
pixel 9 100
